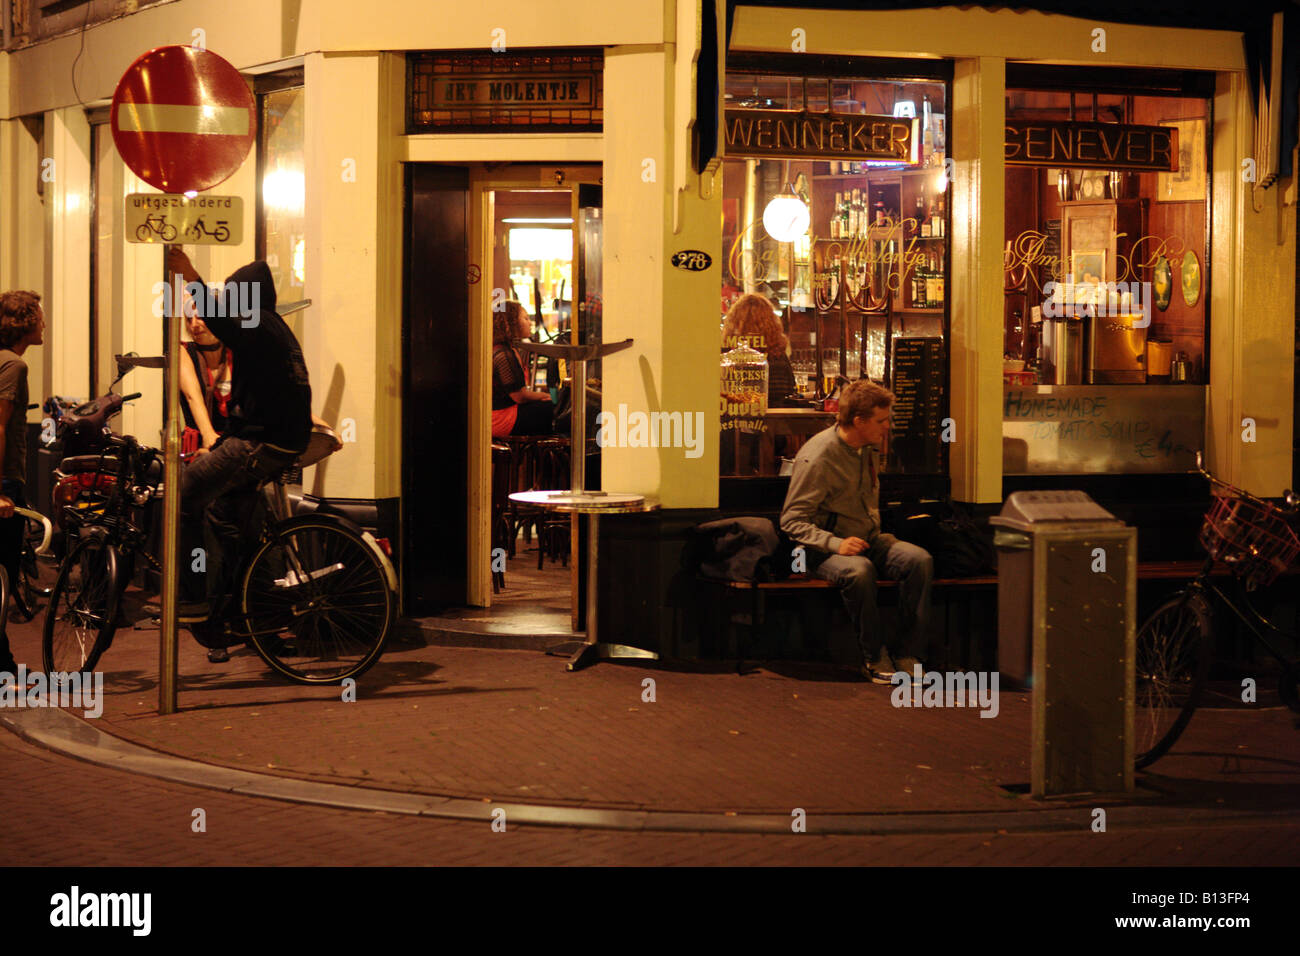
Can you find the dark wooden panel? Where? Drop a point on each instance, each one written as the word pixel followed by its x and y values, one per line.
pixel 435 328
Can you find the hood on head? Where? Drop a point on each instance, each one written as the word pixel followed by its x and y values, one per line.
pixel 259 273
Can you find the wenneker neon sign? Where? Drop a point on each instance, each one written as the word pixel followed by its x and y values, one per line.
pixel 799 134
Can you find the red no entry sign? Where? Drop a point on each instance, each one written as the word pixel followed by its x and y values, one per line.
pixel 183 119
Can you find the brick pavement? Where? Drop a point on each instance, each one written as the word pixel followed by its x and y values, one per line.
pixel 514 726
pixel 69 813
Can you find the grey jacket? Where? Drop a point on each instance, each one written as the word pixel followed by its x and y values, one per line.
pixel 832 496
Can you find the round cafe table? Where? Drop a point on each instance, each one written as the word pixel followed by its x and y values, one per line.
pixel 594 504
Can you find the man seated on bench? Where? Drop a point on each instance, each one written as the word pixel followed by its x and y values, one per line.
pixel 832 509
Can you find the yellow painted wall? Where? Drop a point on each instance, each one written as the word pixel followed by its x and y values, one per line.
pixel 654 206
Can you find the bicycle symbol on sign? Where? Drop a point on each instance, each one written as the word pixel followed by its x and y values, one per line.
pixel 200 229
pixel 155 226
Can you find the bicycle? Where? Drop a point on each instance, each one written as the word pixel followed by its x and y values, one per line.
pixel 155 226
pixel 1256 541
pixel 25 593
pixel 316 596
pixel 28 594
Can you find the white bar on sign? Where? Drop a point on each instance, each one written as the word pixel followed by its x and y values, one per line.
pixel 171 118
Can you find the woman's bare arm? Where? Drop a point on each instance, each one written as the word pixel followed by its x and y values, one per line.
pixel 198 408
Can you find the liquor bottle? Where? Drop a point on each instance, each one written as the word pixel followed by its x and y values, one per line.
pixel 940 222
pixel 844 218
pixel 863 213
pixel 920 214
pixel 853 214
pixel 927 228
pixel 835 217
pixel 927 133
pixel 880 212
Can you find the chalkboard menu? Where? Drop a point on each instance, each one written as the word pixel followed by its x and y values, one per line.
pixel 1051 254
pixel 915 439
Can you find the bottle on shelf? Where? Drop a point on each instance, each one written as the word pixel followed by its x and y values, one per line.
pixel 854 205
pixel 920 214
pixel 940 222
pixel 880 212
pixel 927 132
pixel 844 218
pixel 835 217
pixel 927 224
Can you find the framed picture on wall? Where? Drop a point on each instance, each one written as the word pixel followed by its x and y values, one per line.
pixel 1188 184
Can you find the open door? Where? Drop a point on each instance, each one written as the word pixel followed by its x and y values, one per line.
pixel 435 339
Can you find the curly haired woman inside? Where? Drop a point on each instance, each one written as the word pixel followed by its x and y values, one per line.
pixel 516 409
pixel 752 317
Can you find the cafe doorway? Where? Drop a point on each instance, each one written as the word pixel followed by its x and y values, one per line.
pixel 523 233
pixel 545 249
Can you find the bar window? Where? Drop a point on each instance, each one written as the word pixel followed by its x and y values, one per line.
pixel 835 211
pixel 1106 312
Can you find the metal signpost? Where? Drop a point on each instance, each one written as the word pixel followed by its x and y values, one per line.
pixel 183 120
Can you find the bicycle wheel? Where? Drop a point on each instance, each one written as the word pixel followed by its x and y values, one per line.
pixel 80 620
pixel 1173 659
pixel 29 595
pixel 143 232
pixel 168 232
pixel 317 602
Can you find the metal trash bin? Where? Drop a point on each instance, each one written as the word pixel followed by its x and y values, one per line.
pixel 1067 602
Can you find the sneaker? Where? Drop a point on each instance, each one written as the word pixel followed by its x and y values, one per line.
pixel 880 670
pixel 218 655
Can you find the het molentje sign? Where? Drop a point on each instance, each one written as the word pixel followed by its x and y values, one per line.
pixel 497 90
pixel 797 134
pixel 1091 145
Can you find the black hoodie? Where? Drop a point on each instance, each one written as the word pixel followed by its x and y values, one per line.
pixel 270 396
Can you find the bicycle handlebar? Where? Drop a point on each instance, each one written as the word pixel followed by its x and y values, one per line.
pixel 1291 501
pixel 45 524
pixel 132 397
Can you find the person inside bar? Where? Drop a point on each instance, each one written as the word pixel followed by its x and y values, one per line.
pixel 752 318
pixel 516 409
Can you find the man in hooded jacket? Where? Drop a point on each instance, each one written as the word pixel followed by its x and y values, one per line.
pixel 270 423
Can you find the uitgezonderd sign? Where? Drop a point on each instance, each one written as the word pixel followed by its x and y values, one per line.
pixel 795 134
pixel 1091 145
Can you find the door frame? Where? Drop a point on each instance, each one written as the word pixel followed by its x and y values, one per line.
pixel 484 180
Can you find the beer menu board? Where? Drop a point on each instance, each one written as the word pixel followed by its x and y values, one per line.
pixel 918 406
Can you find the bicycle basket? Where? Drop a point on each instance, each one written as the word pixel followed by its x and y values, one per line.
pixel 1255 540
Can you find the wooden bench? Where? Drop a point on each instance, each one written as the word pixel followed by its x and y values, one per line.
pixel 939 587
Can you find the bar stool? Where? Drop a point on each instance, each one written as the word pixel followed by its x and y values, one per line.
pixel 552 527
pixel 523 477
pixel 502 471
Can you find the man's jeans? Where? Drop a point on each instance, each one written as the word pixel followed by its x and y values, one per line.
pixel 855 576
pixel 218 503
